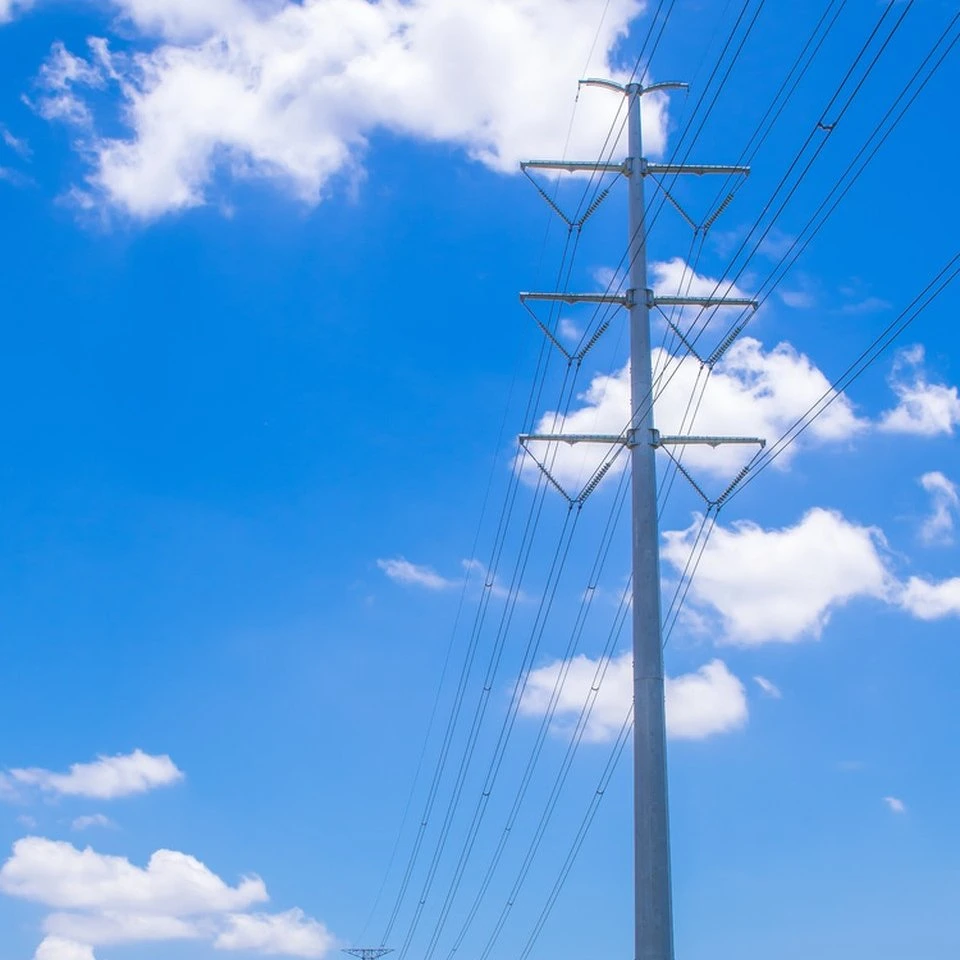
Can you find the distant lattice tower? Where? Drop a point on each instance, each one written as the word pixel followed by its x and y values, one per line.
pixel 368 953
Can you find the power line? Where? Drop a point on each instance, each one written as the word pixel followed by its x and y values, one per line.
pixel 541 382
pixel 869 356
pixel 432 794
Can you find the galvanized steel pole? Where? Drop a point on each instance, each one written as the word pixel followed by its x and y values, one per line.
pixel 652 894
pixel 653 910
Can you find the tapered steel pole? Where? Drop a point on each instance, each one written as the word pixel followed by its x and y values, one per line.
pixel 652 894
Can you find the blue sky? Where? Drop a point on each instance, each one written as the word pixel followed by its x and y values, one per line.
pixel 264 367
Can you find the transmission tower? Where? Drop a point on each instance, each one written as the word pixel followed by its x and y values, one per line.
pixel 653 912
pixel 368 953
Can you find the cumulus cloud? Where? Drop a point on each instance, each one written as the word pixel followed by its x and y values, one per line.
pixel 937 528
pixel 782 584
pixel 185 20
pixel 707 702
pixel 924 409
pixel 98 900
pixel 109 927
pixel 292 934
pixel 56 948
pixel 927 600
pixel 174 19
pixel 411 574
pixel 292 91
pixel 107 778
pixel 57 874
pixel 677 278
pixel 751 392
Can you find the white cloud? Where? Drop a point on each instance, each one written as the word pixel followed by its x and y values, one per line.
pixel 782 584
pixel 924 409
pixel 675 277
pixel 56 948
pixel 699 705
pixel 412 574
pixel 866 305
pixel 705 703
pixel 606 278
pixel 937 528
pixel 57 874
pixel 931 601
pixel 98 899
pixel 106 778
pixel 110 926
pixel 17 144
pixel 752 392
pixel 797 299
pixel 769 688
pixel 490 581
pixel 895 804
pixel 91 820
pixel 61 74
pixel 184 20
pixel 292 934
pixel 776 244
pixel 11 8
pixel 569 331
pixel 291 91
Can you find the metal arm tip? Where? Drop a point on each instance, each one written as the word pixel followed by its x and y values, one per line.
pixel 599 82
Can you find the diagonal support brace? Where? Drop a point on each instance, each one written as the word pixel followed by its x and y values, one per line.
pixel 572 438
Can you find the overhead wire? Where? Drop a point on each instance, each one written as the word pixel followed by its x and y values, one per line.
pixel 526 543
pixel 533 400
pixel 693 335
pixel 621 741
pixel 923 300
pixel 541 381
pixel 829 398
pixel 539 835
pixel 423 824
pixel 576 634
pixel 669 629
pixel 741 46
pixel 573 745
pixel 881 132
pixel 821 126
